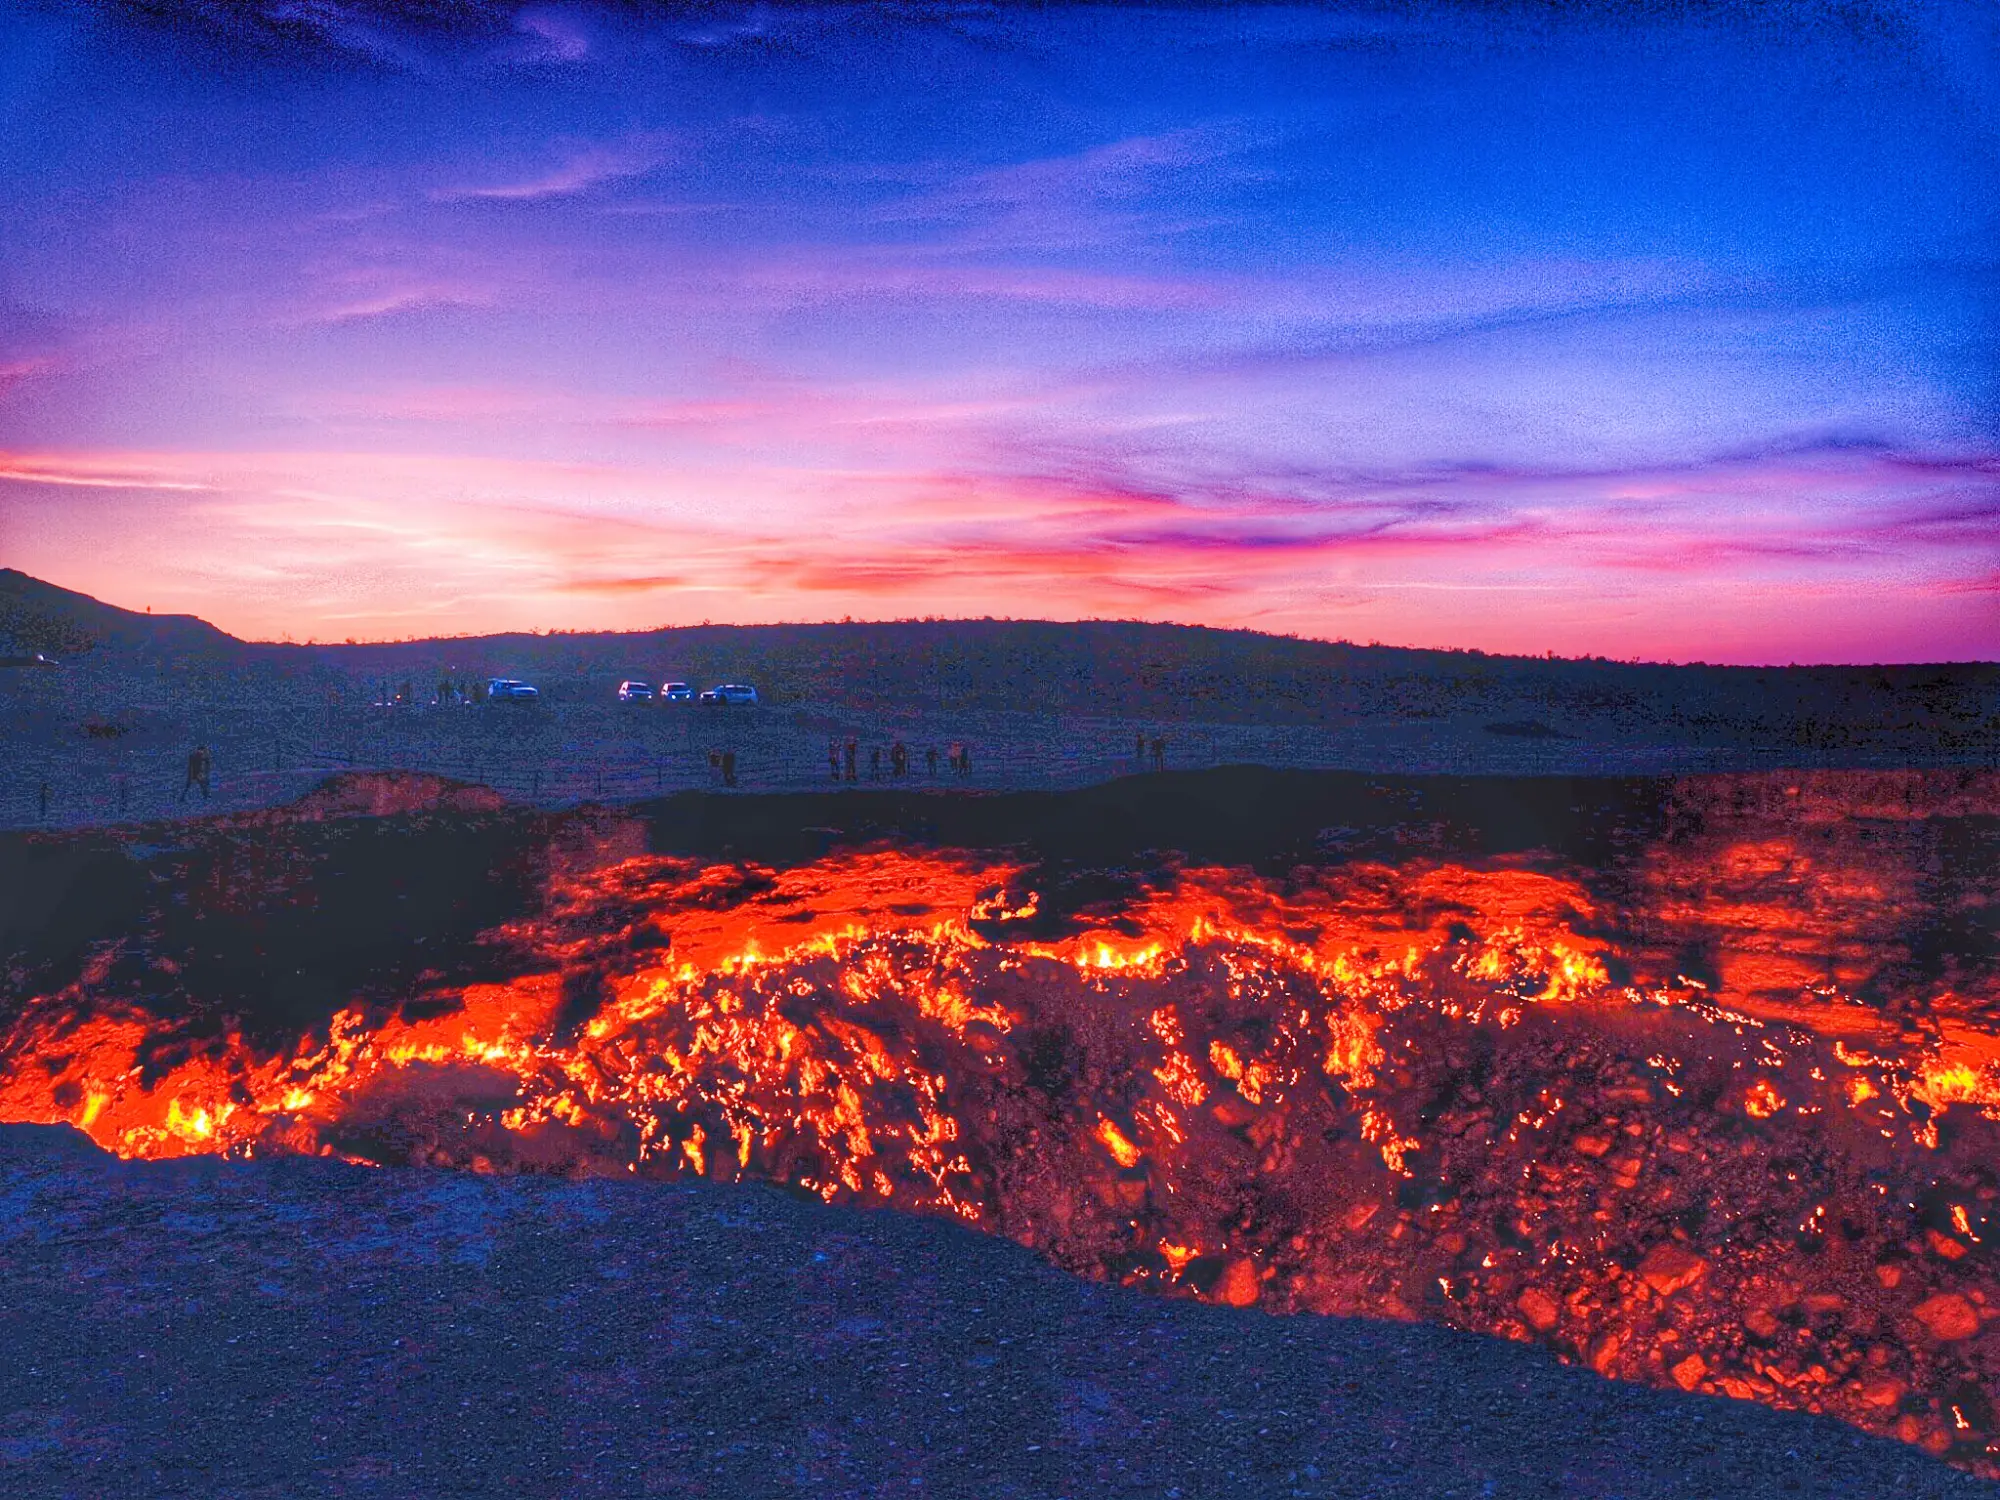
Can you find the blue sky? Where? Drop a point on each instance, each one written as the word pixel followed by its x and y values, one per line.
pixel 1664 332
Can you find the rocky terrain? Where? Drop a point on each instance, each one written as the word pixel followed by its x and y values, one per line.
pixel 306 1328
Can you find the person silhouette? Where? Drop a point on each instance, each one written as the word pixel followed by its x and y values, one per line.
pixel 847 758
pixel 1159 753
pixel 1139 754
pixel 729 768
pixel 197 772
pixel 899 760
pixel 930 761
pixel 833 759
pixel 874 762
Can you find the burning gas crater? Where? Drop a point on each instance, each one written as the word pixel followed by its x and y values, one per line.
pixel 1476 1093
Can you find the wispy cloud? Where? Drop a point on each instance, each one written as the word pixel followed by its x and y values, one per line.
pixel 114 474
pixel 578 169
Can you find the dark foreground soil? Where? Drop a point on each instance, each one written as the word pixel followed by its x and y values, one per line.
pixel 301 1327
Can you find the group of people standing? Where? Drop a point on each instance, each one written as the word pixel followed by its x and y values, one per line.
pixel 843 760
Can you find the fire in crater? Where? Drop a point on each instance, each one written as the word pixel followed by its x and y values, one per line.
pixel 1718 1111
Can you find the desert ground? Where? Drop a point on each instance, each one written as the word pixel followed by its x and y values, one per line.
pixel 106 736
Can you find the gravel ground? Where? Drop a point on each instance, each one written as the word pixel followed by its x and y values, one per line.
pixel 274 736
pixel 301 1327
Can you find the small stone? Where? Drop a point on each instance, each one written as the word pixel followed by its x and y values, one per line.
pixel 1539 1308
pixel 1604 1358
pixel 1593 1145
pixel 1669 1268
pixel 1239 1286
pixel 1688 1372
pixel 1948 1316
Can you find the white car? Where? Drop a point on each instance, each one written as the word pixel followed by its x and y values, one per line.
pixel 677 692
pixel 635 692
pixel 502 689
pixel 731 692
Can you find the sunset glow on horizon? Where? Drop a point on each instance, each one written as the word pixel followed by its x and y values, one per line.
pixel 1668 338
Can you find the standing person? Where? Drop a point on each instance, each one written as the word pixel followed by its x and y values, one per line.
pixel 729 768
pixel 1159 753
pixel 930 761
pixel 953 756
pixel 965 760
pixel 874 762
pixel 847 758
pixel 833 759
pixel 1139 753
pixel 197 772
pixel 899 760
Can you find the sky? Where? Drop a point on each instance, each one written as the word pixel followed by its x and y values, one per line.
pixel 1669 332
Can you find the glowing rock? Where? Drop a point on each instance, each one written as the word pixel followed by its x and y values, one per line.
pixel 1948 1316
pixel 1669 1268
pixel 1539 1308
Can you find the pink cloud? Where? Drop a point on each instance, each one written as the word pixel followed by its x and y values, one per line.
pixel 334 544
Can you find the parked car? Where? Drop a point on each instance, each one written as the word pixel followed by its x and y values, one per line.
pixel 730 692
pixel 505 689
pixel 677 692
pixel 635 692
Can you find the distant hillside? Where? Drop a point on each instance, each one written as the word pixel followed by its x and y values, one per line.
pixel 1180 672
pixel 1112 668
pixel 38 616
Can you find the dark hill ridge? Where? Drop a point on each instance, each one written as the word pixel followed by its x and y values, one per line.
pixel 37 616
pixel 305 1328
pixel 1114 668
